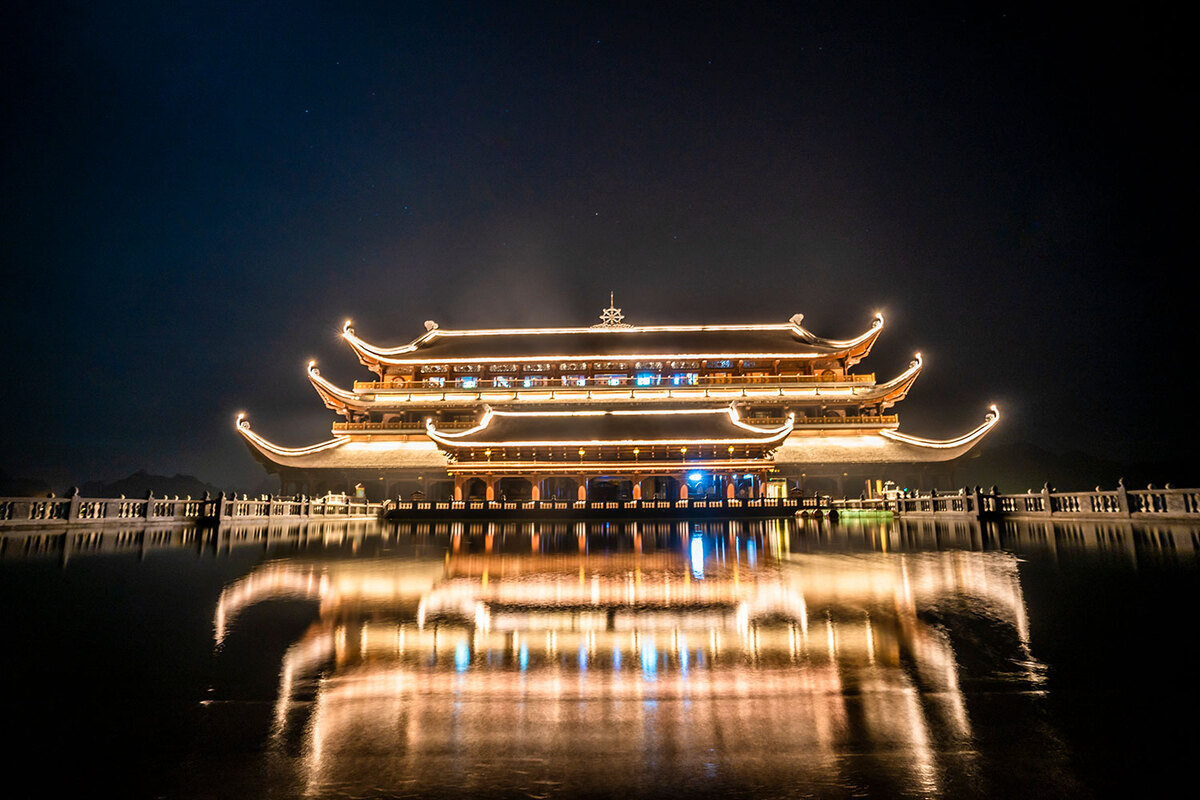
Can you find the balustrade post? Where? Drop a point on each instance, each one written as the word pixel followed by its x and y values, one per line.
pixel 73 508
pixel 1047 508
pixel 977 498
pixel 150 504
pixel 220 509
pixel 1122 498
pixel 1173 502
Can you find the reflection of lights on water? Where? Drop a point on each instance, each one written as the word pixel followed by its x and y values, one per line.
pixel 583 658
pixel 752 552
pixel 649 660
pixel 697 557
pixel 462 657
pixel 523 656
pixel 616 659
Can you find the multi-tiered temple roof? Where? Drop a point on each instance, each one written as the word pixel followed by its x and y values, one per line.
pixel 611 401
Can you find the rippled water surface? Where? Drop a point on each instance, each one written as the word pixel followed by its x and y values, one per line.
pixel 787 658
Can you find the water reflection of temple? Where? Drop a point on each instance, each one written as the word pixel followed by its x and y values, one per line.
pixel 447 670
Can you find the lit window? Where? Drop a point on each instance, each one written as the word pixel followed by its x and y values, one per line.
pixel 574 380
pixel 500 382
pixel 685 379
pixel 437 381
pixel 646 379
pixel 469 383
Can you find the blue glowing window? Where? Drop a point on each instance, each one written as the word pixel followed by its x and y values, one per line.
pixel 470 383
pixel 500 382
pixel 437 381
pixel 646 379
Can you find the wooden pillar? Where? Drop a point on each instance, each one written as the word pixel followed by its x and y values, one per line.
pixel 582 488
pixel 535 490
pixel 458 487
pixel 490 482
pixel 728 487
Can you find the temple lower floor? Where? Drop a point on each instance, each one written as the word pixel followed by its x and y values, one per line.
pixel 697 482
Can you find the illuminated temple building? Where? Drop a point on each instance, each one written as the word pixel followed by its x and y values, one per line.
pixel 615 412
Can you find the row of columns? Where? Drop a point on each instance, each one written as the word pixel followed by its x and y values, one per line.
pixel 492 484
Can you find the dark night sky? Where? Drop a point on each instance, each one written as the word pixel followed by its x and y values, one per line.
pixel 196 196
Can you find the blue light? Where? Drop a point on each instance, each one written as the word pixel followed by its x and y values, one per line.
pixel 695 476
pixel 645 379
pixel 649 661
pixel 523 657
pixel 462 657
pixel 469 383
pixel 582 658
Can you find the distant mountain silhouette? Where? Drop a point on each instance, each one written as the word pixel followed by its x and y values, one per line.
pixel 13 486
pixel 1020 466
pixel 140 482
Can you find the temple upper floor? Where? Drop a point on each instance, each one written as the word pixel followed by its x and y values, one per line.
pixel 615 351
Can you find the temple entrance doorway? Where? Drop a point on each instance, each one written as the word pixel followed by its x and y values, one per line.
pixel 660 487
pixel 560 488
pixel 514 489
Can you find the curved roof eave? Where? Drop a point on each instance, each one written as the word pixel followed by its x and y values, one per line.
pixel 989 422
pixel 334 397
pixel 282 455
pixel 372 355
pixel 893 391
pixel 459 438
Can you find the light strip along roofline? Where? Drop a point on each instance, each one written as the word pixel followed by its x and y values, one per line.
pixel 454 439
pixel 243 427
pixel 389 355
pixel 989 422
pixel 334 397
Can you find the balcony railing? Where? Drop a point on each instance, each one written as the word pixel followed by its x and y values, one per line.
pixel 415 427
pixel 865 419
pixel 730 381
pixel 401 426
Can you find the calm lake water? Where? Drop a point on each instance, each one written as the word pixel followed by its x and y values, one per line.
pixel 784 658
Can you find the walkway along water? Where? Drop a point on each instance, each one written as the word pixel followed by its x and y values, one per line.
pixel 1164 505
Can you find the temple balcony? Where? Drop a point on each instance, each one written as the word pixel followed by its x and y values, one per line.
pixel 608 382
pixel 834 420
pixel 398 427
pixel 833 391
pixel 800 422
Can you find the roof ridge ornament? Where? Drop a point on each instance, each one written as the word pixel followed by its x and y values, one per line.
pixel 611 317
